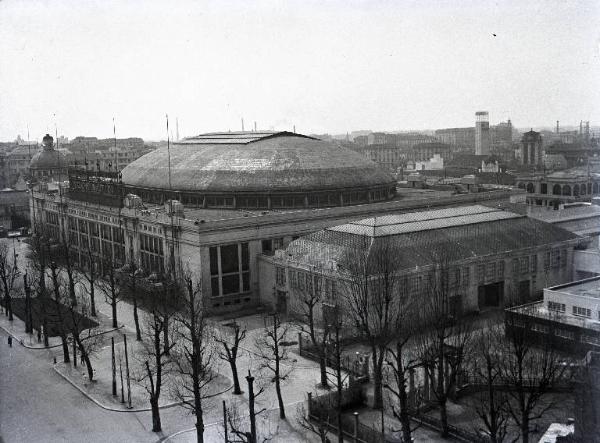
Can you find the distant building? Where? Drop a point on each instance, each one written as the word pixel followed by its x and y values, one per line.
pixel 482 133
pixel 377 138
pixel 552 189
pixel 462 139
pixel 48 164
pixel 532 151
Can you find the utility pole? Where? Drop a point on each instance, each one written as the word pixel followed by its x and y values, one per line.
pixel 114 368
pixel 127 373
pixel 28 315
pixel 225 421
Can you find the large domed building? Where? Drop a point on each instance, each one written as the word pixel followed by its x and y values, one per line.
pixel 48 164
pixel 251 170
pixel 219 206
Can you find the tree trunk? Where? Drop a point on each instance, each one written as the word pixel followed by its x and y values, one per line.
pixel 113 304
pixel 525 428
pixel 377 381
pixel 156 426
pixel 199 431
pixel 279 397
pixel 8 304
pixel 323 369
pixel 404 416
pixel 166 346
pixel 236 381
pixel 88 363
pixel 441 390
pixel 65 347
pixel 92 299
pixel 138 333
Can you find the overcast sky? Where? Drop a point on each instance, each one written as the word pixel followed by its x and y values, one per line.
pixel 322 66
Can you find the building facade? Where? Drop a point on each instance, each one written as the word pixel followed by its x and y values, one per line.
pixel 482 133
pixel 489 258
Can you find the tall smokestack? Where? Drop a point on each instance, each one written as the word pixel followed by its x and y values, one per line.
pixel 557 127
pixel 242 125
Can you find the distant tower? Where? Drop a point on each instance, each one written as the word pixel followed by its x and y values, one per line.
pixel 482 133
pixel 531 149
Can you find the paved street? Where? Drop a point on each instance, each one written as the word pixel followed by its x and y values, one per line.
pixel 36 405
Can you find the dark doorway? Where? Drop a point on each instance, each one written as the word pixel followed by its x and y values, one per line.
pixel 524 291
pixel 490 296
pixel 281 302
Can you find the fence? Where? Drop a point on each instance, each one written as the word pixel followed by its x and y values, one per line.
pixel 357 367
pixel 323 409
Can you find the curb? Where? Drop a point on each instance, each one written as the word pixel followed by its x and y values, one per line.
pixel 19 340
pixel 108 408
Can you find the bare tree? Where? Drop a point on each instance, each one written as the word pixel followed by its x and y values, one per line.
pixel 155 361
pixel 443 345
pixel 87 342
pixel 111 288
pixel 316 426
pixel 273 353
pixel 130 277
pixel 234 423
pixel 91 276
pixel 38 260
pixel 309 297
pixel 402 360
pixel 229 348
pixel 60 296
pixel 491 405
pixel 371 297
pixel 193 354
pixel 9 271
pixel 531 367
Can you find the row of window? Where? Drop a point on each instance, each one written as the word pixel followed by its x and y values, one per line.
pixel 564 333
pixel 582 312
pixel 309 282
pixel 323 199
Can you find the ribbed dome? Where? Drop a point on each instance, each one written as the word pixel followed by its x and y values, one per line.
pixel 255 161
pixel 48 159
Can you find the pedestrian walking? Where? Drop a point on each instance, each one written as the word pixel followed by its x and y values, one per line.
pixel 10 341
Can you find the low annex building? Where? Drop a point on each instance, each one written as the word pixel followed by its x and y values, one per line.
pixel 490 255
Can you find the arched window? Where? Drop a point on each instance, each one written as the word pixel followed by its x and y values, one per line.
pixel 595 188
pixel 521 185
pixel 583 189
pixel 576 190
pixel 566 190
pixel 530 188
pixel 556 190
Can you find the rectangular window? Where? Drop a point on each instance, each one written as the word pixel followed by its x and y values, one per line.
pixel 230 269
pixel 547 260
pixel 501 270
pixel 556 258
pixel 534 263
pixel 524 265
pixel 590 339
pixel 540 328
pixel 563 258
pixel 490 271
pixel 563 333
pixel 214 261
pixel 582 312
pixel 280 275
pixel 466 277
pixel 553 306
pixel 481 273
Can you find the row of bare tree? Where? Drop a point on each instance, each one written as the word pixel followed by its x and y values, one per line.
pixel 510 372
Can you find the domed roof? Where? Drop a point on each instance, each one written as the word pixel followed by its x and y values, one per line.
pixel 255 161
pixel 48 159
